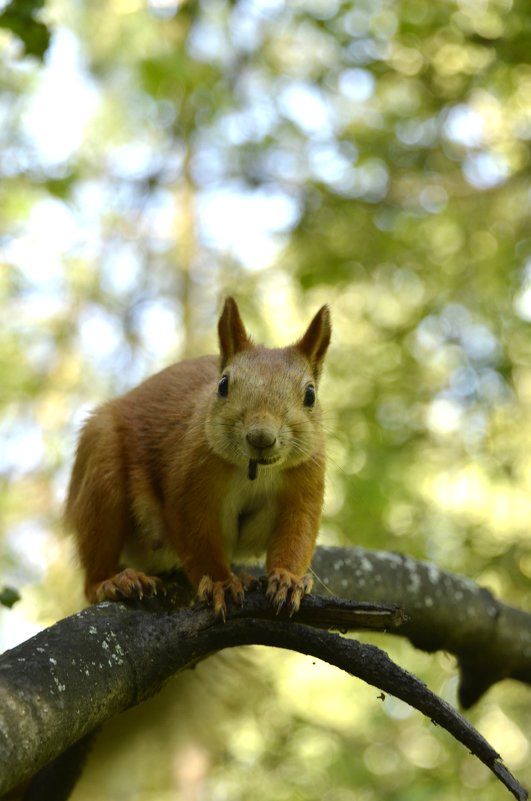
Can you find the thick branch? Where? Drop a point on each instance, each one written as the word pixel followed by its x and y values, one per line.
pixel 491 640
pixel 51 702
pixel 69 679
pixel 72 677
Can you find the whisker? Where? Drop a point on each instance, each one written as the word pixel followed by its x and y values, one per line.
pixel 326 588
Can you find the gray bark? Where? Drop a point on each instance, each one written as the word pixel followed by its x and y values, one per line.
pixel 66 681
pixel 490 639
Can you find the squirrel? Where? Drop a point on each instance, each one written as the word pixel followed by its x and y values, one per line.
pixel 211 459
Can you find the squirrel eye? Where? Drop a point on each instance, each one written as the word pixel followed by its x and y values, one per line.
pixel 309 395
pixel 223 386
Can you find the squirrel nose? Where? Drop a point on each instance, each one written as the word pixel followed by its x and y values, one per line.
pixel 261 438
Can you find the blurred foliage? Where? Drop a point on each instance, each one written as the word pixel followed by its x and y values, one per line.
pixel 372 155
pixel 19 17
pixel 9 596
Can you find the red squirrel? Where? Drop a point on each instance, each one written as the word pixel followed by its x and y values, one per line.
pixel 212 459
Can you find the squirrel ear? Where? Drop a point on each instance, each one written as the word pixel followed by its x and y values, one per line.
pixel 315 341
pixel 232 334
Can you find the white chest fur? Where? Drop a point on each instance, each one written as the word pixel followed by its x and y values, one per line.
pixel 247 517
pixel 249 512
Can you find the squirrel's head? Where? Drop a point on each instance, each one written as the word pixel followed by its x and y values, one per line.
pixel 265 409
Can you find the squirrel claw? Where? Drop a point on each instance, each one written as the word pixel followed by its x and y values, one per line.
pixel 287 589
pixel 127 584
pixel 248 581
pixel 215 592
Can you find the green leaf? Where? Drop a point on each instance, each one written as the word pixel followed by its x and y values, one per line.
pixel 19 18
pixel 9 596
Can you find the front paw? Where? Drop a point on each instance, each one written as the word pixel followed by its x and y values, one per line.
pixel 214 592
pixel 285 588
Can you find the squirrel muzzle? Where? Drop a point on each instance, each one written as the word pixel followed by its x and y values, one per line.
pixel 262 441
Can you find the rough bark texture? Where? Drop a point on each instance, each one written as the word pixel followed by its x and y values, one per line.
pixel 491 640
pixel 66 681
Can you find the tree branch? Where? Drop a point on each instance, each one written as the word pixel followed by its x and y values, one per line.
pixel 491 640
pixel 69 679
pixel 66 681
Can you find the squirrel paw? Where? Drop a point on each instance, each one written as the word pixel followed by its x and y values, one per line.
pixel 214 592
pixel 284 588
pixel 249 582
pixel 128 583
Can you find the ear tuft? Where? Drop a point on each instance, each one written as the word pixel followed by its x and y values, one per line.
pixel 314 343
pixel 233 337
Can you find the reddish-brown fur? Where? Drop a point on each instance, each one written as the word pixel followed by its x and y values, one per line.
pixel 163 470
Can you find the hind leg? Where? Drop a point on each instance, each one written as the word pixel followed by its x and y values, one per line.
pixel 128 583
pixel 101 539
pixel 98 511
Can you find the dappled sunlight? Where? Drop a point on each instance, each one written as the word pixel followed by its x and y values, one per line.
pixel 505 736
pixel 322 694
pixel 470 495
pixel 373 157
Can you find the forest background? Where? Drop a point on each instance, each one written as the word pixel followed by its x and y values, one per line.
pixel 371 155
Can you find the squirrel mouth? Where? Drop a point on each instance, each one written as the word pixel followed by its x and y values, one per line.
pixel 268 460
pixel 252 467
